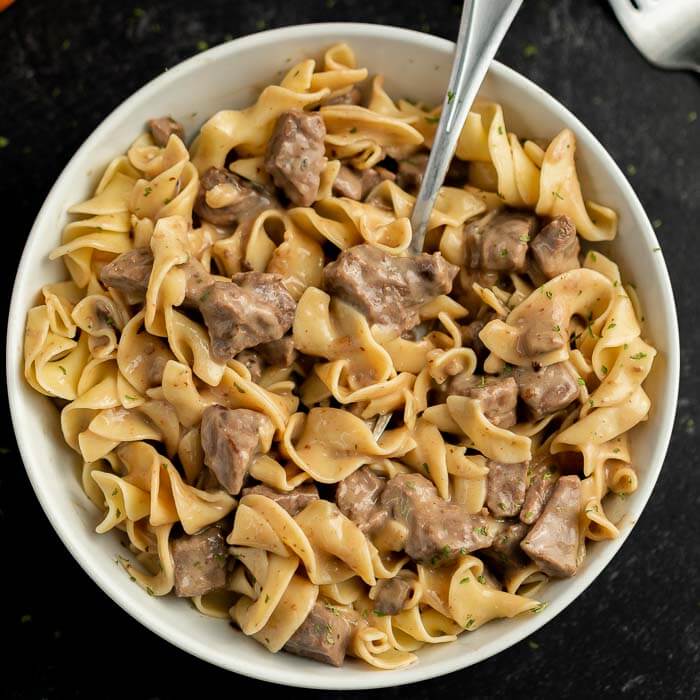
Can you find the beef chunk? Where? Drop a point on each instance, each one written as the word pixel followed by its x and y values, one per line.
pixel 552 543
pixel 324 636
pixel 348 183
pixel 293 501
pixel 547 389
pixel 556 247
pixel 391 594
pixel 253 362
pixel 506 485
pixel 357 497
pixel 542 475
pixel 295 155
pixel 255 308
pixel 373 177
pixel 506 544
pixel 498 396
pixel 411 171
pixel 543 330
pixel 278 353
pixel 458 172
pixel 230 440
pixel 388 289
pixel 198 280
pixel 245 199
pixel 200 562
pixel 163 127
pixel 498 241
pixel 349 97
pixel 129 273
pixel 470 336
pixel 438 531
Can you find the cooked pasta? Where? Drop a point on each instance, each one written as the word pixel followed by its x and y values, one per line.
pixel 242 311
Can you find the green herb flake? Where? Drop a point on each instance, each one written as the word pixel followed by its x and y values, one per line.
pixel 469 623
pixel 149 590
pixel 353 130
pixel 450 96
pixel 129 398
pixel 611 325
pixel 657 223
pixel 638 356
pixel 500 130
pixel 557 195
pixel 426 468
pixel 524 238
pixel 631 169
pixel 529 514
pixel 481 530
pixel 147 190
pixel 593 256
pixel 530 50
pixel 548 294
pixel 481 579
pixel 118 513
pixel 115 492
pixel 533 644
pixel 65 44
pixel 581 381
pixel 465 579
pixel 621 495
pixel 4 141
pixel 202 45
pixel 591 403
pixel 655 250
pixel 604 369
pixel 616 450
pixel 538 608
pixel 378 613
pixel 556 328
pixel 267 598
pixel 167 200
pixel 25 619
pixel 63 369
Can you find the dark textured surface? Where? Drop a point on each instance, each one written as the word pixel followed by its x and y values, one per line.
pixel 636 630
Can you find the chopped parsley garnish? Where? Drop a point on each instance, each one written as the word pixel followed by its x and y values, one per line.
pixel 129 398
pixel 638 356
pixel 353 130
pixel 581 381
pixel 528 515
pixel 378 613
pixel 592 256
pixel 149 590
pixel 206 294
pixel 115 492
pixel 425 467
pixel 4 141
pixel 147 190
pixel 450 96
pixel 25 618
pixel 604 369
pixel 548 294
pixel 118 513
pixel 611 325
pixel 481 530
pixel 500 130
pixel 481 579
pixel 631 169
pixel 202 45
pixel 63 369
pixel 465 579
pixel 524 238
pixel 538 608
pixel 267 598
pixel 591 403
pixel 504 252
pixel 556 328
pixel 530 50
pixel 557 195
pixel 470 621
pixel 533 644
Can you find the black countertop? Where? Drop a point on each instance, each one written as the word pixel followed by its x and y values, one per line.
pixel 636 630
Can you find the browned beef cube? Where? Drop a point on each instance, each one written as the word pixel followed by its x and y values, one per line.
pixel 348 183
pixel 542 478
pixel 129 274
pixel 349 97
pixel 543 329
pixel 470 336
pixel 163 127
pixel 248 199
pixel 255 308
pixel 371 177
pixel 200 562
pixel 357 497
pixel 438 531
pixel 411 171
pixel 324 636
pixel 556 247
pixel 391 594
pixel 198 280
pixel 498 396
pixel 506 485
pixel 553 541
pixel 498 241
pixel 253 362
pixel 388 289
pixel 506 544
pixel 278 353
pixel 295 155
pixel 546 390
pixel 293 501
pixel 230 439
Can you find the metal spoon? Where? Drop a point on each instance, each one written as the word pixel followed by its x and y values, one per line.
pixel 481 30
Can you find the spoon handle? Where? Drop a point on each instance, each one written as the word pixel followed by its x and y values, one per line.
pixel 481 30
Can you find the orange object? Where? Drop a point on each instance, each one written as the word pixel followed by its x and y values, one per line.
pixel 4 4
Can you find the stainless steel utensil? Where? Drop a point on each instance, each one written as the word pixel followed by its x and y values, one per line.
pixel 666 32
pixel 481 30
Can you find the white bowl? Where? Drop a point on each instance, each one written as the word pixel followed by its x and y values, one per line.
pixel 416 65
